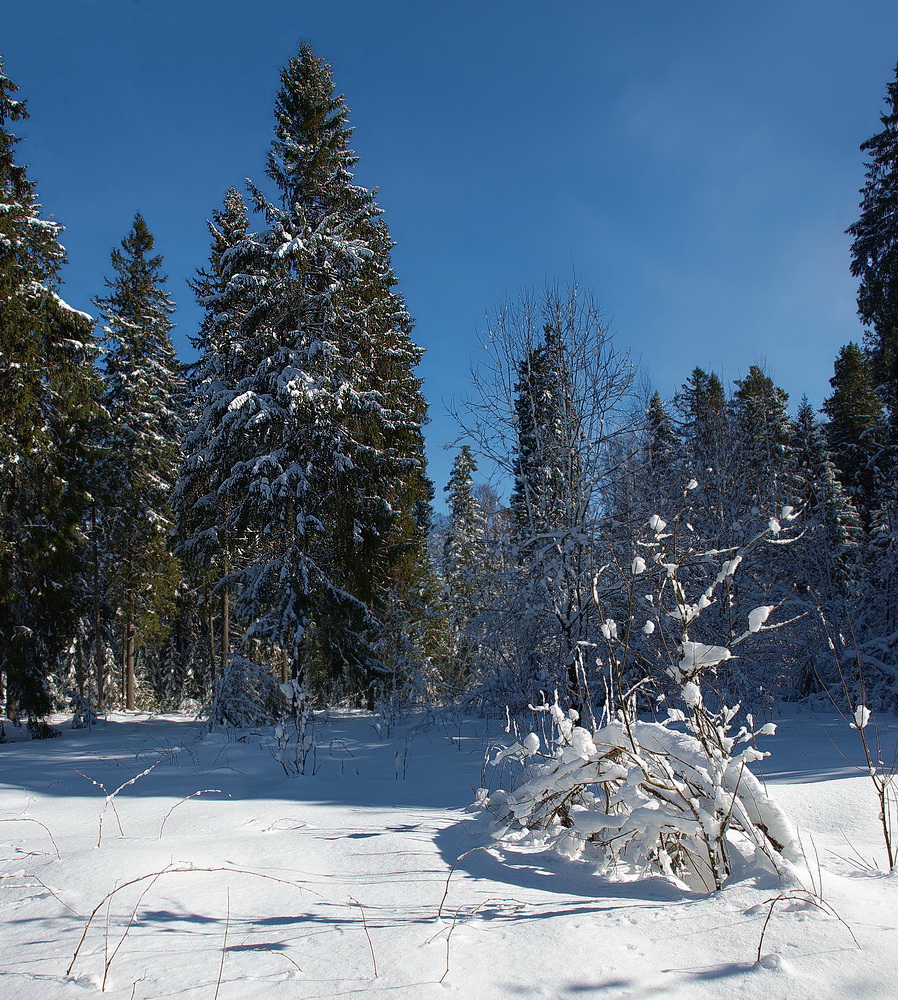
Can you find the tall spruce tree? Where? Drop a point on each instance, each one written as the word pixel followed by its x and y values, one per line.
pixel 874 251
pixel 48 403
pixel 824 558
pixel 326 462
pixel 547 491
pixel 856 431
pixel 660 439
pixel 463 560
pixel 763 430
pixel 463 551
pixel 874 260
pixel 206 532
pixel 701 403
pixel 144 398
pixel 705 428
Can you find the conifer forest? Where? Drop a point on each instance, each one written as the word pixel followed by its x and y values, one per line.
pixel 326 726
pixel 252 536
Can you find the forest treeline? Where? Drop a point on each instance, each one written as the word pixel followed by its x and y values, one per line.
pixel 258 525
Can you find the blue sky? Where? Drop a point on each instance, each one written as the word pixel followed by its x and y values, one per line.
pixel 695 163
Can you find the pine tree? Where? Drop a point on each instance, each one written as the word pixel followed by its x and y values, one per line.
pixel 762 426
pixel 144 398
pixel 875 621
pixel 660 446
pixel 701 403
pixel 326 461
pixel 705 426
pixel 647 472
pixel 463 562
pixel 874 252
pixel 823 561
pixel 856 430
pixel 738 452
pixel 206 533
pixel 48 405
pixel 547 461
pixel 822 564
pixel 463 551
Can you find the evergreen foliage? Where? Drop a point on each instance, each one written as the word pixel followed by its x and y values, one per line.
pixel 874 251
pixel 319 454
pixel 144 399
pixel 547 459
pixel 661 441
pixel 761 421
pixel 827 511
pixel 463 548
pixel 207 533
pixel 299 510
pixel 701 403
pixel 464 564
pixel 548 408
pixel 856 430
pixel 822 565
pixel 48 408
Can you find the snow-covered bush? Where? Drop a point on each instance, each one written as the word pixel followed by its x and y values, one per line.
pixel 246 695
pixel 641 797
pixel 671 797
pixel 294 734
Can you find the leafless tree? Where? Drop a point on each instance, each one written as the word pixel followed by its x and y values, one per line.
pixel 550 394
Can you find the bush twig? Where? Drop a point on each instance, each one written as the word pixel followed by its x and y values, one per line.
pixel 367 935
pixel 224 947
pixel 203 791
pixel 29 819
pixel 153 876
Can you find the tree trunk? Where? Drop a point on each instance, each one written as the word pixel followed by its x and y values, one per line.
pixel 130 685
pixel 129 672
pixel 225 629
pixel 79 670
pixel 99 658
pixel 210 624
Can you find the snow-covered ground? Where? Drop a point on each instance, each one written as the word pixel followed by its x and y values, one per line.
pixel 333 884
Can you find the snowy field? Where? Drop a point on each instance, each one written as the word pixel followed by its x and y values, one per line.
pixel 335 884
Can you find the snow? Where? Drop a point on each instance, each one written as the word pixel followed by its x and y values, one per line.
pixel 861 717
pixel 698 655
pixel 273 886
pixel 77 312
pixel 758 616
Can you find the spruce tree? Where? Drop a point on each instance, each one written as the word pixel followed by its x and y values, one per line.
pixel 856 430
pixel 48 406
pixel 463 551
pixel 709 458
pixel 144 398
pixel 660 445
pixel 702 406
pixel 874 251
pixel 547 494
pixel 463 564
pixel 206 532
pixel 551 401
pixel 762 420
pixel 825 555
pixel 326 460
